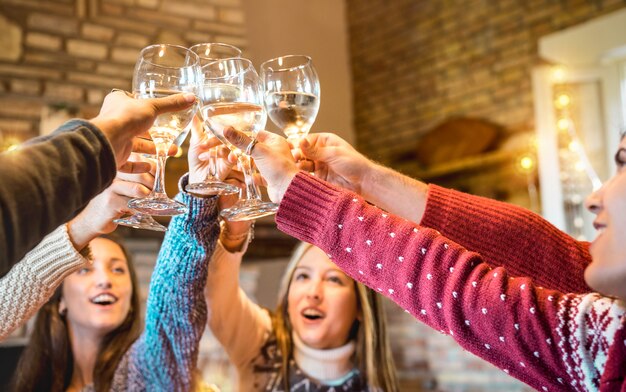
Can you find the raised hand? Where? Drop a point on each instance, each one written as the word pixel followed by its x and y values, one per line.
pixel 122 118
pixel 273 158
pixel 334 160
pixel 97 218
pixel 200 155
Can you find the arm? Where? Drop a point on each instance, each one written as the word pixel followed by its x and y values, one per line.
pixel 502 233
pixel 536 335
pixel 33 280
pixel 240 325
pixel 42 185
pixel 49 179
pixel 509 236
pixel 165 356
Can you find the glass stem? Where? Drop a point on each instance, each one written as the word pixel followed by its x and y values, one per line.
pixel 159 180
pixel 246 166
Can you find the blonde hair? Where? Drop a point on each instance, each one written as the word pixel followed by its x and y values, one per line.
pixel 373 354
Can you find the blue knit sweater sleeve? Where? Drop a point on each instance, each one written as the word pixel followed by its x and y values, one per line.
pixel 164 358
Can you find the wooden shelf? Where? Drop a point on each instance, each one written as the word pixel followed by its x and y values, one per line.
pixel 460 165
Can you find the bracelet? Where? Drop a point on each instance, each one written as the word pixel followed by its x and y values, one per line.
pixel 249 234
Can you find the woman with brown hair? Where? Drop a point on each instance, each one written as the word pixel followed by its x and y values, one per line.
pixel 88 336
pixel 89 323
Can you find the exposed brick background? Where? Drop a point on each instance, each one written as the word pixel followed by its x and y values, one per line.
pixel 417 63
pixel 72 52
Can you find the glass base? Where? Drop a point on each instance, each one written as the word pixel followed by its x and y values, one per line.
pixel 160 206
pixel 140 221
pixel 245 210
pixel 212 187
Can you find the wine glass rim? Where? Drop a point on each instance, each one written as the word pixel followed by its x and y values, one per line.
pixel 281 68
pixel 242 59
pixel 220 44
pixel 196 58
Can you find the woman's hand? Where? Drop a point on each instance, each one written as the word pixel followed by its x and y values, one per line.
pixel 272 156
pixel 122 117
pixel 97 218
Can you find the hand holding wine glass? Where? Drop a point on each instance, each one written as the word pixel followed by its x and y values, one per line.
pixel 163 70
pixel 99 215
pixel 210 184
pixel 273 158
pixel 232 98
pixel 121 118
pixel 292 94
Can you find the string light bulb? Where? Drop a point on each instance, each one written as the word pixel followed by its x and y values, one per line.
pixel 574 146
pixel 563 101
pixel 563 124
pixel 526 163
pixel 558 74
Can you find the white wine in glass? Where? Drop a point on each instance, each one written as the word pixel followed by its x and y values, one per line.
pixel 232 97
pixel 160 71
pixel 209 52
pixel 292 94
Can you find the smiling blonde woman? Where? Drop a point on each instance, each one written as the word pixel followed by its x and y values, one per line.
pixel 328 332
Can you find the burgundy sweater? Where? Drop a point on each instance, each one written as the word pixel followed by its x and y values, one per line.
pixel 552 340
pixel 506 235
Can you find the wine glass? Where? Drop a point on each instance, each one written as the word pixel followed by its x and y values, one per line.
pixel 232 97
pixel 209 52
pixel 163 70
pixel 292 94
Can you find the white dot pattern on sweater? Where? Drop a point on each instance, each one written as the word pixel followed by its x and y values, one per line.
pixel 433 250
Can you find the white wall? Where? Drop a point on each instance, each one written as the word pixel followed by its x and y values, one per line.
pixel 316 28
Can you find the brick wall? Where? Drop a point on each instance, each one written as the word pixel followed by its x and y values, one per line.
pixel 417 63
pixel 72 52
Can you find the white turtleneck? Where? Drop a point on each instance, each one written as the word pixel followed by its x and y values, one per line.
pixel 328 366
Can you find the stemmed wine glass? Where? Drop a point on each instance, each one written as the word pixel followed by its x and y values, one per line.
pixel 162 70
pixel 232 97
pixel 292 94
pixel 209 52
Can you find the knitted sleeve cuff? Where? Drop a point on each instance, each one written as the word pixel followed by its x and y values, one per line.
pixel 439 201
pixel 304 208
pixel 54 258
pixel 202 210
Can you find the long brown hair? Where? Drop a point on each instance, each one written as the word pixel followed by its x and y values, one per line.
pixel 47 362
pixel 373 353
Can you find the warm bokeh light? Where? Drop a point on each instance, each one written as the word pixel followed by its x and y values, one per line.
pixel 579 166
pixel 13 147
pixel 563 124
pixel 574 146
pixel 527 163
pixel 563 101
pixel 558 74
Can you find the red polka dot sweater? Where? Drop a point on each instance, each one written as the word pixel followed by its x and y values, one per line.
pixel 552 340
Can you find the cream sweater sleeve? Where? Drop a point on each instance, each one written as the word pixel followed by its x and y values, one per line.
pixel 240 325
pixel 32 281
